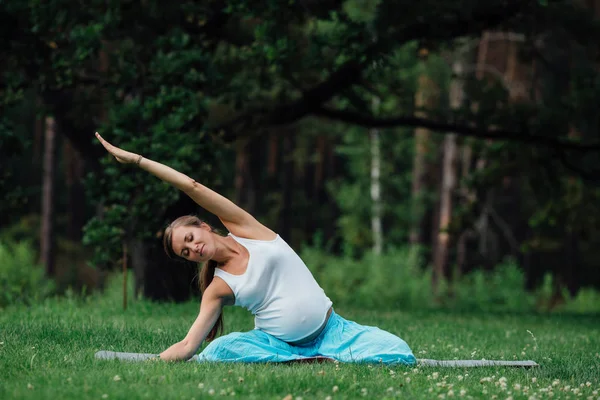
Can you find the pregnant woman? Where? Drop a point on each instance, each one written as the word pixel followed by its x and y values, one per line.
pixel 253 267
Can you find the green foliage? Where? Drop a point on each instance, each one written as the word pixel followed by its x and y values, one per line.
pixel 502 289
pixel 158 79
pixel 396 279
pixel 389 281
pixel 163 124
pixel 22 280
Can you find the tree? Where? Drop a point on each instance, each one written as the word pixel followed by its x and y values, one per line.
pixel 183 81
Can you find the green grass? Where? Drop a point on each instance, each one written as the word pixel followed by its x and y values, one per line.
pixel 47 352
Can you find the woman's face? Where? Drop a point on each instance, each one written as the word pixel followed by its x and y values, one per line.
pixel 193 243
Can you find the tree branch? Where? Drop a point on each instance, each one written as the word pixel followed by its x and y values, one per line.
pixel 368 121
pixel 345 76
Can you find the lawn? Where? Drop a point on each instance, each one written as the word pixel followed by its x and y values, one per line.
pixel 47 352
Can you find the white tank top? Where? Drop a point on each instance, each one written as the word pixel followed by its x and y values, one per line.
pixel 278 288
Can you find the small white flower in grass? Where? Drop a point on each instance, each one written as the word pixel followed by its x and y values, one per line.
pixel 1 343
pixel 451 393
pixel 392 372
pixel 435 375
pixel 240 379
pixel 534 379
pixel 116 378
pixel 556 382
pixel 105 396
pixel 223 392
pixel 201 385
pixel 416 371
pixel 211 391
pixel 462 392
pixel 328 398
pixel 441 396
pixel 407 380
pixel 288 397
pixel 69 379
pixel 595 392
pixel 335 389
pixel 406 373
pixel 517 386
pixel 588 384
pixel 299 398
pixel 363 391
pixel 460 377
pixel 389 390
pixel 29 386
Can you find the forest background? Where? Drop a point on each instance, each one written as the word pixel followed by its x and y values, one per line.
pixel 416 154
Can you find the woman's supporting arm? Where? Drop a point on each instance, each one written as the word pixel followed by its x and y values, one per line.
pixel 211 307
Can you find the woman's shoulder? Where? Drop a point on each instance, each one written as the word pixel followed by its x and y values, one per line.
pixel 254 239
pixel 251 230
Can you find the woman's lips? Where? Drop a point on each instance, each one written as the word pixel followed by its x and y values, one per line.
pixel 202 250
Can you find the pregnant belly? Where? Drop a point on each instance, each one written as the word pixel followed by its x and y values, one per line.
pixel 292 323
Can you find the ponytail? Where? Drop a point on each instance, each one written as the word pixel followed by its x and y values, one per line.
pixel 207 271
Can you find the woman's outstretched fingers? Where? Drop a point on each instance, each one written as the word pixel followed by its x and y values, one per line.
pixel 122 156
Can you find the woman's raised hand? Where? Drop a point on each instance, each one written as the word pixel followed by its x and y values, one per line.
pixel 121 155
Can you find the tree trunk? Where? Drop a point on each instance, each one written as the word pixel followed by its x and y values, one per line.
pixel 47 239
pixel 74 171
pixel 440 256
pixel 38 132
pixel 425 97
pixel 285 219
pixel 376 188
pixel 157 277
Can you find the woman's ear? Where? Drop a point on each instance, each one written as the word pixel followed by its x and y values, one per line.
pixel 205 226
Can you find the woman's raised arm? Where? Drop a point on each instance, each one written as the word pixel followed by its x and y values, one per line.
pixel 236 220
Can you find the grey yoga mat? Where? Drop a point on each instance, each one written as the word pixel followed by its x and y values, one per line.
pixel 115 355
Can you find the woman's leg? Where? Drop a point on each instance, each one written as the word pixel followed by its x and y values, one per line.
pixel 250 347
pixel 347 341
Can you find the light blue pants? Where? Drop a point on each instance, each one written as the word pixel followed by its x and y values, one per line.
pixel 342 340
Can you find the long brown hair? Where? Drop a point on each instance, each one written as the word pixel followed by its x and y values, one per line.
pixel 206 270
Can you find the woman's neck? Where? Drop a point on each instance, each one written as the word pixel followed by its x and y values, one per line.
pixel 227 249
